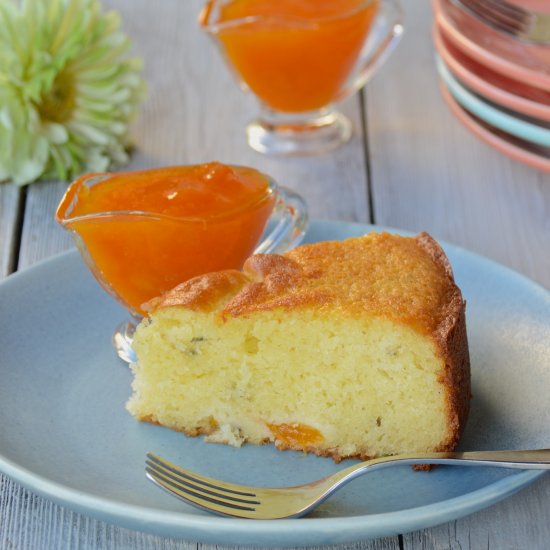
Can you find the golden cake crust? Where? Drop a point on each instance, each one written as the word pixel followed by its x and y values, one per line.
pixel 406 280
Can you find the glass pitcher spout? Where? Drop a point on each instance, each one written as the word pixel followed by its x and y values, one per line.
pixel 219 15
pixel 72 217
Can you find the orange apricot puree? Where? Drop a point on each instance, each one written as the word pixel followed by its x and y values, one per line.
pixel 198 219
pixel 296 55
pixel 296 436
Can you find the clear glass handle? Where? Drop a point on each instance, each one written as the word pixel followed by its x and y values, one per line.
pixel 384 35
pixel 288 223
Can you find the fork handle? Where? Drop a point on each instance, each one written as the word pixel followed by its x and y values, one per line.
pixel 536 459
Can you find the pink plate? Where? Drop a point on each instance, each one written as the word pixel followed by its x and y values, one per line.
pixel 535 5
pixel 501 53
pixel 499 89
pixel 535 156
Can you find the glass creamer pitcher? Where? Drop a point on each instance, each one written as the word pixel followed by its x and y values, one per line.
pixel 142 233
pixel 299 57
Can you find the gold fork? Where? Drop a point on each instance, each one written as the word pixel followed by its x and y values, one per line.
pixel 230 499
pixel 510 18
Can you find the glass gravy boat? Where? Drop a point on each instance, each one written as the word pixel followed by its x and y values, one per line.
pixel 137 255
pixel 299 63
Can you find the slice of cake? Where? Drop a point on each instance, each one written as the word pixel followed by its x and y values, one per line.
pixel 344 349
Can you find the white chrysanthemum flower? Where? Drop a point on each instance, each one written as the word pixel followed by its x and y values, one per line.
pixel 67 91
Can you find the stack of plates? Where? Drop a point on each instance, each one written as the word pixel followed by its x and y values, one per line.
pixel 495 84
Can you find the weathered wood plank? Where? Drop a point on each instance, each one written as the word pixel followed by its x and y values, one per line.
pixel 381 544
pixel 11 198
pixel 41 236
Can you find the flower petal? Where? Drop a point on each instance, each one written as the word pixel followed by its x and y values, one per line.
pixel 56 133
pixel 67 88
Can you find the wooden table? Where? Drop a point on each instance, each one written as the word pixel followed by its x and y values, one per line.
pixel 410 165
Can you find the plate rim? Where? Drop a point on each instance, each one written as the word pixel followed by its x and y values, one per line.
pixel 515 152
pixel 528 131
pixel 501 96
pixel 486 57
pixel 170 524
pixel 212 529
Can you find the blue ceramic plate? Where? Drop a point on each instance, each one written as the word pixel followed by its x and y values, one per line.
pixel 498 118
pixel 66 435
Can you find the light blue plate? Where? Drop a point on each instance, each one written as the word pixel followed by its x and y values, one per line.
pixel 491 114
pixel 66 435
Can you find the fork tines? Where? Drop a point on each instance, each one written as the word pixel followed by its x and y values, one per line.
pixel 504 17
pixel 524 24
pixel 200 491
